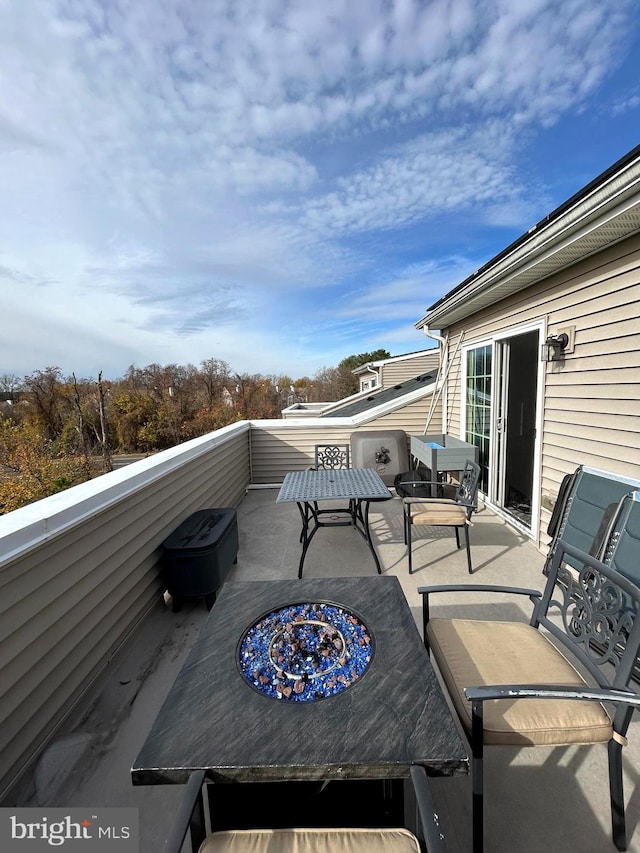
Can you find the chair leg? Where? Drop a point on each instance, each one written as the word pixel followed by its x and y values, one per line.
pixel 466 536
pixel 408 537
pixel 619 830
pixel 477 778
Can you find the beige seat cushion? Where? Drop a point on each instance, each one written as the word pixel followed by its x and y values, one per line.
pixel 474 653
pixel 311 841
pixel 432 511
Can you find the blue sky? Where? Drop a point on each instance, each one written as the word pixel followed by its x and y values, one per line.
pixel 282 183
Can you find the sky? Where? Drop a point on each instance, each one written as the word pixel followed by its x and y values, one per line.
pixel 280 184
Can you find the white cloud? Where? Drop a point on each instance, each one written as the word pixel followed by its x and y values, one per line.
pixel 178 173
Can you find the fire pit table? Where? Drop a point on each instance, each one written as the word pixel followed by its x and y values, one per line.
pixel 298 680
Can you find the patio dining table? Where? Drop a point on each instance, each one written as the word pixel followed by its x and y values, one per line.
pixel 358 486
pixel 217 717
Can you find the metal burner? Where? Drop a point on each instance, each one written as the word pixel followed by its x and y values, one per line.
pixel 305 651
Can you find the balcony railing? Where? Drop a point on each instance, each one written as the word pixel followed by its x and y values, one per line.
pixel 80 569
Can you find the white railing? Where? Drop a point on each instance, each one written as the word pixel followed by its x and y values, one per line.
pixel 80 569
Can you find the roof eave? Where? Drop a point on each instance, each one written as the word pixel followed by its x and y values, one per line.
pixel 603 214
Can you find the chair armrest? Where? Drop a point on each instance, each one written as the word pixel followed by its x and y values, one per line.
pixel 431 501
pixel 182 821
pixel 425 591
pixel 445 501
pixel 514 590
pixel 546 691
pixel 429 820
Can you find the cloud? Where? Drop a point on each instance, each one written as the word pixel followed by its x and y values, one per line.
pixel 627 103
pixel 419 180
pixel 181 174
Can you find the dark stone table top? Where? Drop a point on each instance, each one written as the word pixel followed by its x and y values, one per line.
pixel 394 716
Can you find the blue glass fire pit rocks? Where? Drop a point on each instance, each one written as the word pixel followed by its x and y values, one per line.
pixel 305 651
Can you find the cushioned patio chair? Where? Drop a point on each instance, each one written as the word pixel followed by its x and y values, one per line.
pixel 316 839
pixel 544 682
pixel 455 511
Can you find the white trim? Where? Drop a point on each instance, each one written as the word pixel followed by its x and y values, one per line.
pixel 614 201
pixel 392 359
pixel 33 524
pixel 538 326
pixel 360 419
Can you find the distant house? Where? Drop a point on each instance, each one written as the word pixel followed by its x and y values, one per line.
pixel 538 411
pixel 399 393
pixel 387 372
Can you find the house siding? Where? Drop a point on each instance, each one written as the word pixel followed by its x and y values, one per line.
pixel 592 399
pixel 396 372
pixel 281 446
pixel 69 600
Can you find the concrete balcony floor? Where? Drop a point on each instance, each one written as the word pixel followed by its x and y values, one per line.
pixel 536 799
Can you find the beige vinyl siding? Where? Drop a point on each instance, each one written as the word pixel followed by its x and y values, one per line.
pixel 396 372
pixel 68 602
pixel 411 418
pixel 280 446
pixel 592 399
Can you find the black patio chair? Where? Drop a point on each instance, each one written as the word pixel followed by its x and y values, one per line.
pixel 551 676
pixel 373 838
pixel 332 456
pixel 454 511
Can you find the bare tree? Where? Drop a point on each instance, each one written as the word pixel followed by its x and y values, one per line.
pixel 80 428
pixel 103 437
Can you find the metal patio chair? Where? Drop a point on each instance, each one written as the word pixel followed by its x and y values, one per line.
pixel 455 511
pixel 321 839
pixel 332 456
pixel 551 676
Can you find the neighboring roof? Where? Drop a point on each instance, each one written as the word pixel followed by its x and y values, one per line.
pixel 602 213
pixel 379 398
pixel 382 361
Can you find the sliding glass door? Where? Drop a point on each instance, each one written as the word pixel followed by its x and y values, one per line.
pixel 501 414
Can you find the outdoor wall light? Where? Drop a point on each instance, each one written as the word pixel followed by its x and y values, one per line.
pixel 554 347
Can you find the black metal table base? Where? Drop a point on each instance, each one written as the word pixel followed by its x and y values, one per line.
pixel 356 515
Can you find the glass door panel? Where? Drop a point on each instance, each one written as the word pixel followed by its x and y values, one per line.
pixel 478 407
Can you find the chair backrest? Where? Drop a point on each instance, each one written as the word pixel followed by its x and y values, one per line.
pixel 622 549
pixel 593 612
pixel 467 490
pixel 587 503
pixel 332 456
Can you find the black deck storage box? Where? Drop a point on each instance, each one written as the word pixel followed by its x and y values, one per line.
pixel 199 553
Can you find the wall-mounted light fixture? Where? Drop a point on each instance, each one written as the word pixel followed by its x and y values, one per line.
pixel 554 347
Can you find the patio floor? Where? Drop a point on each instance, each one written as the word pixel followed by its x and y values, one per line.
pixel 536 799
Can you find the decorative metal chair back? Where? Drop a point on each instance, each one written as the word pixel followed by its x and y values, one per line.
pixel 467 490
pixel 595 613
pixel 332 456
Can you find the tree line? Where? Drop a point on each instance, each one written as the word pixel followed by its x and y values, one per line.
pixel 57 431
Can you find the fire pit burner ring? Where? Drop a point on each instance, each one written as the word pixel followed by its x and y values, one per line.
pixel 306 651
